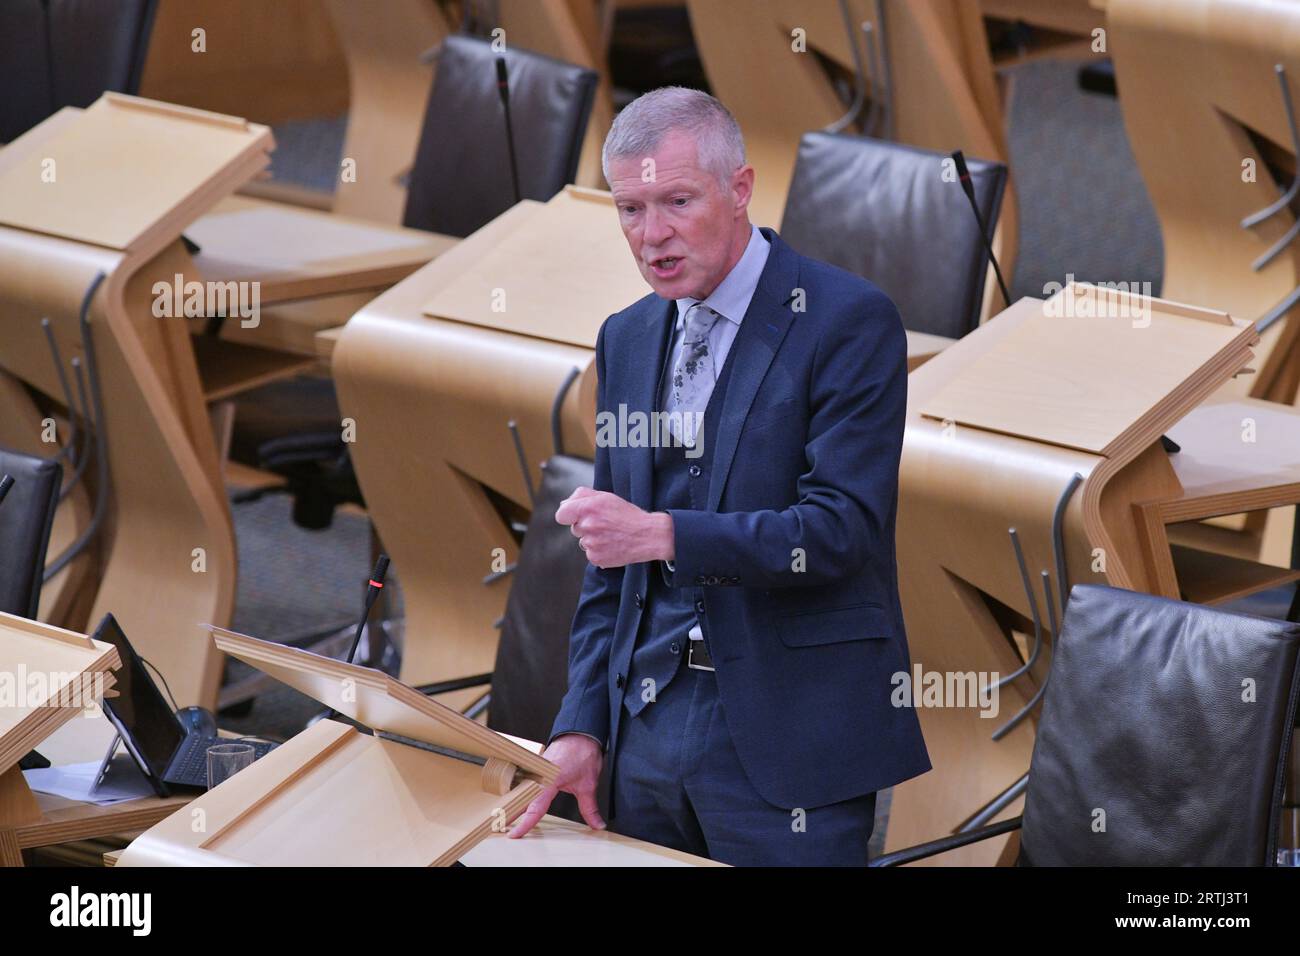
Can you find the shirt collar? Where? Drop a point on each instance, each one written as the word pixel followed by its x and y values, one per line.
pixel 734 293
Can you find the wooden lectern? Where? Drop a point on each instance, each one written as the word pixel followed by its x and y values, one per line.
pixel 428 786
pixel 47 677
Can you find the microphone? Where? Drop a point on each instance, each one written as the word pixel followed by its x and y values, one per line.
pixel 963 177
pixel 372 594
pixel 6 483
pixel 503 87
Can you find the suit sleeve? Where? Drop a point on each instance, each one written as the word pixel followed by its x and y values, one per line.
pixel 847 497
pixel 585 708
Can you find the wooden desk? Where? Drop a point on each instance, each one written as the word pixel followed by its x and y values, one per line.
pixel 1032 400
pixel 63 821
pixel 132 174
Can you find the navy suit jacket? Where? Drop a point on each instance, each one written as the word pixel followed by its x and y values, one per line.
pixel 793 557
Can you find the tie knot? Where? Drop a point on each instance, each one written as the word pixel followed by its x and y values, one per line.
pixel 699 320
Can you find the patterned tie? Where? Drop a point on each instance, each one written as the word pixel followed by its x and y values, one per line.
pixel 693 376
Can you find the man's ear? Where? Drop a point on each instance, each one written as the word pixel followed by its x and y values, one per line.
pixel 742 188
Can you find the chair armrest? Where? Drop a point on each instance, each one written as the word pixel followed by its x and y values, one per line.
pixel 923 850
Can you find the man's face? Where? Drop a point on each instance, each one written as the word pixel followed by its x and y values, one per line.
pixel 685 228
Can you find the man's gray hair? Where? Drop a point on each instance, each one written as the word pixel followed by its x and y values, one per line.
pixel 644 122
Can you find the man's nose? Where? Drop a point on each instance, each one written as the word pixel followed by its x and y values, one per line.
pixel 657 228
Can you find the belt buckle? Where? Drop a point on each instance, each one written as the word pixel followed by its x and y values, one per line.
pixel 690 657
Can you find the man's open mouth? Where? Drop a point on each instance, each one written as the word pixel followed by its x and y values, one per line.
pixel 665 266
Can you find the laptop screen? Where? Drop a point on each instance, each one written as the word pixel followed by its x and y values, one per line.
pixel 140 710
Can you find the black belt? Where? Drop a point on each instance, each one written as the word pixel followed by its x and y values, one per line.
pixel 697 656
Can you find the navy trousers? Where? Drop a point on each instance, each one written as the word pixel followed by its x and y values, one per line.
pixel 678 782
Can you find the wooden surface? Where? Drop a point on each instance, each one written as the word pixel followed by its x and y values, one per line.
pixel 271 61
pixel 121 167
pixel 514 284
pixel 56 674
pixel 300 253
pixel 1089 380
pixel 559 842
pixel 332 796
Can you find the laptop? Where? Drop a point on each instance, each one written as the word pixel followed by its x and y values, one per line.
pixel 166 751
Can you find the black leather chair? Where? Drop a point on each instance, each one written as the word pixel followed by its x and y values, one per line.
pixel 26 516
pixel 886 212
pixel 57 53
pixel 1166 723
pixel 461 177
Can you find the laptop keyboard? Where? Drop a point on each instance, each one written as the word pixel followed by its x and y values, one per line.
pixel 190 766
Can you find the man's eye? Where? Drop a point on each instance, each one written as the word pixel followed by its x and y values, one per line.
pixel 628 210
pixel 680 201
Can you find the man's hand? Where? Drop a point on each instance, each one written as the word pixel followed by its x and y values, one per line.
pixel 579 759
pixel 615 532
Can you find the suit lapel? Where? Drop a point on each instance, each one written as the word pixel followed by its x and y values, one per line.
pixel 645 361
pixel 761 333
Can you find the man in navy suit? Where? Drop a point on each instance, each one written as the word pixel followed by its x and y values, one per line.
pixel 731 657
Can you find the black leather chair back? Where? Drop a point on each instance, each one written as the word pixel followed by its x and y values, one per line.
pixel 461 177
pixel 886 212
pixel 26 516
pixel 531 672
pixel 1164 736
pixel 57 53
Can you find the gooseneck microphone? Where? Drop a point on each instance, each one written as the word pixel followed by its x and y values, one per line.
pixel 6 483
pixel 372 594
pixel 503 87
pixel 376 585
pixel 968 187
